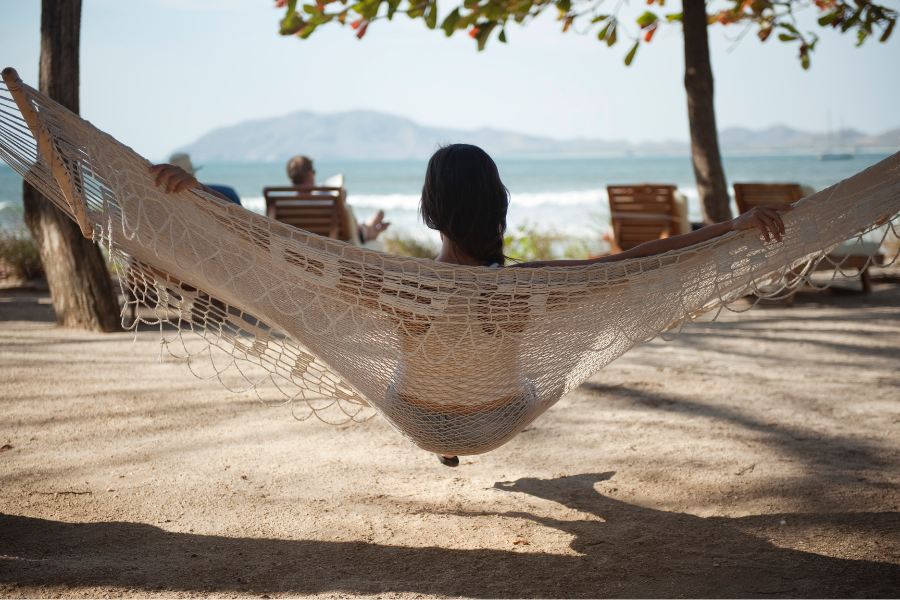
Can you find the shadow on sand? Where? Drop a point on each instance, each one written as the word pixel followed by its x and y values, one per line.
pixel 632 551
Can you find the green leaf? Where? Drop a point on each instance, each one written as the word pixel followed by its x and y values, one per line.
pixel 502 36
pixel 646 19
pixel 851 21
pixel 307 31
pixel 491 11
pixel 887 32
pixel 611 39
pixel 870 18
pixel 470 3
pixel 371 7
pixel 630 56
pixel 599 18
pixel 431 15
pixel 789 27
pixel 483 34
pixel 393 5
pixel 523 7
pixel 602 35
pixel 564 5
pixel 758 6
pixel 827 19
pixel 804 61
pixel 672 18
pixel 861 36
pixel 292 24
pixel 786 38
pixel 449 24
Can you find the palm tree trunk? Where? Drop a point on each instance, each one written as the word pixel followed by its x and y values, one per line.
pixel 698 81
pixel 76 271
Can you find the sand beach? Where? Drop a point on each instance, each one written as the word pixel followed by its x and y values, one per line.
pixel 759 457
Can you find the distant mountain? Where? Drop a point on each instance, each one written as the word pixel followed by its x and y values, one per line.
pixel 365 135
pixel 781 137
pixel 368 135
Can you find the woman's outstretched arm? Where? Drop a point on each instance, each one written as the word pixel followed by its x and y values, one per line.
pixel 764 218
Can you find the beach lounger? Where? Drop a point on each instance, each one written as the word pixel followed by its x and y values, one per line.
pixel 852 254
pixel 644 212
pixel 748 195
pixel 316 209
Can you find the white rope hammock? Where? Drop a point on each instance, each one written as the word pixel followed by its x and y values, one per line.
pixel 457 359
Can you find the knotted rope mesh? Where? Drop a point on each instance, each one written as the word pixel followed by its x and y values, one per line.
pixel 457 359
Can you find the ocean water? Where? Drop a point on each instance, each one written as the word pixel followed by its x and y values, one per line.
pixel 563 194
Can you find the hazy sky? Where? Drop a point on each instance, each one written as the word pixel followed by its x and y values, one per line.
pixel 157 74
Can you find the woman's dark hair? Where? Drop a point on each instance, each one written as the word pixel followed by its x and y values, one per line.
pixel 464 199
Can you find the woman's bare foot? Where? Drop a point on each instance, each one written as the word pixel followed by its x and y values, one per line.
pixel 448 460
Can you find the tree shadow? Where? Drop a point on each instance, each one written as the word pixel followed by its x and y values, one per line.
pixel 828 349
pixel 843 456
pixel 847 294
pixel 716 556
pixel 627 550
pixel 23 305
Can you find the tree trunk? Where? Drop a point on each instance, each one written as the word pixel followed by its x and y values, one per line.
pixel 79 280
pixel 698 81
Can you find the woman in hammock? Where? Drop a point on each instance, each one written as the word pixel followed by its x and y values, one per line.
pixel 464 199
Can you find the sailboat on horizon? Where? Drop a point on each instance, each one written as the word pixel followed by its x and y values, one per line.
pixel 839 152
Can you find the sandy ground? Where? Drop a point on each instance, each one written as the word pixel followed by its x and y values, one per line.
pixel 758 458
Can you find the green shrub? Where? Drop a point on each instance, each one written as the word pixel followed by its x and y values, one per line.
pixel 528 243
pixel 524 243
pixel 19 256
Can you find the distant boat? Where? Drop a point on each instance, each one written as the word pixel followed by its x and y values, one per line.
pixel 836 155
pixel 832 152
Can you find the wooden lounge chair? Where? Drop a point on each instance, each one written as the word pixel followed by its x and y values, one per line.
pixel 748 195
pixel 852 254
pixel 316 209
pixel 644 212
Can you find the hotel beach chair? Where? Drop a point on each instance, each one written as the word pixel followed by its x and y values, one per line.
pixel 644 212
pixel 316 209
pixel 852 254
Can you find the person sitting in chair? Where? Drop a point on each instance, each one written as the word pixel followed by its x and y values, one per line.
pixel 301 172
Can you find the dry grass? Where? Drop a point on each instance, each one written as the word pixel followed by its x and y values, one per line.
pixel 891 245
pixel 404 243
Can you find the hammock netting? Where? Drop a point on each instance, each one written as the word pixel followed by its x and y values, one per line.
pixel 457 359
